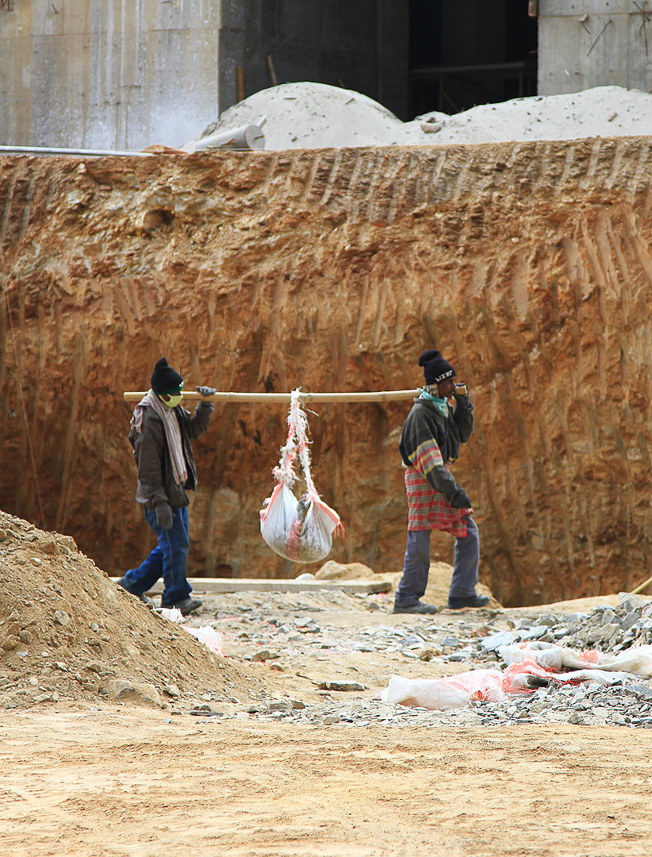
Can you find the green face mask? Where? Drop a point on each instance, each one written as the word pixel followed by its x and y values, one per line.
pixel 171 400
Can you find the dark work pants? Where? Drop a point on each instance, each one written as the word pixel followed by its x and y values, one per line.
pixel 416 565
pixel 167 560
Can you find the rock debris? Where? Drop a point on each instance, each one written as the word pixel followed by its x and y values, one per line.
pixel 70 636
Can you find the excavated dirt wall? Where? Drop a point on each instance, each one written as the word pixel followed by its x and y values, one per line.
pixel 529 265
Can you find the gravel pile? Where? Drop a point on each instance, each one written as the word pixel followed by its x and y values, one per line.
pixel 348 661
pixel 608 629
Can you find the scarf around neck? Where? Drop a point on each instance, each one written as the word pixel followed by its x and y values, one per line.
pixel 438 404
pixel 172 432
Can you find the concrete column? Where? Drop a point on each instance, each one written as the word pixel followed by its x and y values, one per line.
pixel 586 43
pixel 107 74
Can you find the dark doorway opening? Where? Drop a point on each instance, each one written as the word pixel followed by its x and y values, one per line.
pixel 467 53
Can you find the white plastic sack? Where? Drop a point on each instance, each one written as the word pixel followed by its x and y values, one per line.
pixel 457 691
pixel 301 529
pixel 208 636
pixel 516 678
pixel 549 657
pixel 454 691
pixel 637 660
pixel 173 614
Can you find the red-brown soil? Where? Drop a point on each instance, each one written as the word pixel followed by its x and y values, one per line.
pixel 528 265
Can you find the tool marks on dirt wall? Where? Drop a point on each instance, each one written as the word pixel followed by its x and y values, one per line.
pixel 529 263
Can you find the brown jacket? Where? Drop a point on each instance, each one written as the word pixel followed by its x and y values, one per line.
pixel 156 483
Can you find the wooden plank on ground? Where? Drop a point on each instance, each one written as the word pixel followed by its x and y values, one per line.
pixel 245 584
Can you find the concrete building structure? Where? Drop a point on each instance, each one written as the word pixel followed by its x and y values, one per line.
pixel 586 43
pixel 127 74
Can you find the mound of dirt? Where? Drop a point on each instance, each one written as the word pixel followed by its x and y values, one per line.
pixel 332 570
pixel 68 632
pixel 439 578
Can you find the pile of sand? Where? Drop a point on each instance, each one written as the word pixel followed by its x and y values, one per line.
pixel 313 115
pixel 439 578
pixel 604 111
pixel 68 632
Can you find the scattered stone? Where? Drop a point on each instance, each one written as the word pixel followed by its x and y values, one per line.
pixel 140 693
pixel 10 642
pixel 344 686
pixel 280 705
pixel 262 656
pixel 204 710
pixel 61 618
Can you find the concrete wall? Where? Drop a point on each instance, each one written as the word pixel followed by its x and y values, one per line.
pixel 586 43
pixel 107 73
pixel 361 45
pixel 127 74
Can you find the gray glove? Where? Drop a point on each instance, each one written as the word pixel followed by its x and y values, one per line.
pixel 206 391
pixel 164 516
pixel 461 500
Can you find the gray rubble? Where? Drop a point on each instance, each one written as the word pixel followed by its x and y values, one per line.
pixel 303 636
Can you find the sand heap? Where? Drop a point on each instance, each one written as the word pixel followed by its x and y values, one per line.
pixel 313 115
pixel 67 631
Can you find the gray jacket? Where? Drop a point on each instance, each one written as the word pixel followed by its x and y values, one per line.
pixel 156 483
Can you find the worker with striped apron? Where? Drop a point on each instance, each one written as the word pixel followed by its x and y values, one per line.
pixel 430 442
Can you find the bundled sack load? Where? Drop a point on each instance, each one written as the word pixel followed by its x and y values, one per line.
pixel 299 530
pixel 457 691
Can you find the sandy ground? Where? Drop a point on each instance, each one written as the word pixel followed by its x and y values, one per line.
pixel 126 782
pixel 85 774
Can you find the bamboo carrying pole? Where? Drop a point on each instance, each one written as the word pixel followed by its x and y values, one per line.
pixel 382 396
pixel 641 586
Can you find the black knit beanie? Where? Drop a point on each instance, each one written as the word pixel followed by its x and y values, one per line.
pixel 164 378
pixel 435 368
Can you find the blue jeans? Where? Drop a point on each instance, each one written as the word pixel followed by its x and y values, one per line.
pixel 168 559
pixel 416 565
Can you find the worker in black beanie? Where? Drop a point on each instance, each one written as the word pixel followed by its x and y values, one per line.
pixel 430 442
pixel 164 378
pixel 160 433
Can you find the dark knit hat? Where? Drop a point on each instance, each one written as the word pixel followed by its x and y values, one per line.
pixel 164 378
pixel 435 368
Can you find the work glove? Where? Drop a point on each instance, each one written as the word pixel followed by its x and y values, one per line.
pixel 461 500
pixel 164 516
pixel 206 391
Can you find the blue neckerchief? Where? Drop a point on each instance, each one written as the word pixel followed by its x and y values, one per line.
pixel 440 405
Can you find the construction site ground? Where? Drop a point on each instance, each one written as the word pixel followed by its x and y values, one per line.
pixel 127 782
pixel 95 776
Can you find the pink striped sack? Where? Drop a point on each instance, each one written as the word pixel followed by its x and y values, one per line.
pixel 301 529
